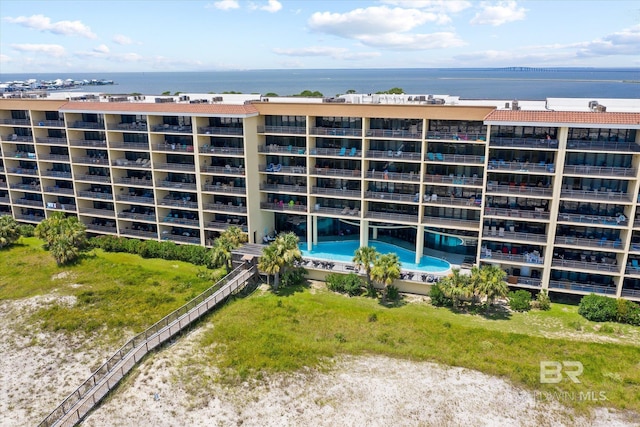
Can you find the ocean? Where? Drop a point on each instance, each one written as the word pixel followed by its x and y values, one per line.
pixel 499 83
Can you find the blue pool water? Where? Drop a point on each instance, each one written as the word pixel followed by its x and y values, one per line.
pixel 343 251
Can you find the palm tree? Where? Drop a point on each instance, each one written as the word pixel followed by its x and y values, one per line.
pixel 230 239
pixel 385 270
pixel 365 257
pixel 64 236
pixel 456 286
pixel 9 231
pixel 281 254
pixel 491 283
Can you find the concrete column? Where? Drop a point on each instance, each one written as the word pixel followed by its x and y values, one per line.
pixel 314 228
pixel 311 229
pixel 364 233
pixel 419 243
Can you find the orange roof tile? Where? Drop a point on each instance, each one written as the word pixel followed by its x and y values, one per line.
pixel 160 108
pixel 563 117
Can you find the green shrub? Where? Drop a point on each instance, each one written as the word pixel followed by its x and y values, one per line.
pixel 520 300
pixel 438 297
pixel 542 301
pixel 628 312
pixel 350 284
pixel 27 230
pixel 598 308
pixel 293 277
pixel 393 293
pixel 373 317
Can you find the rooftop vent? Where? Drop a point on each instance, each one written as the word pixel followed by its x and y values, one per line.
pixel 514 105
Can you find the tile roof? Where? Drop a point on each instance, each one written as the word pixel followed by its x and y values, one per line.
pixel 159 108
pixel 568 117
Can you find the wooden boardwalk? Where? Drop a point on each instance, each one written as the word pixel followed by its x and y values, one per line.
pixel 91 392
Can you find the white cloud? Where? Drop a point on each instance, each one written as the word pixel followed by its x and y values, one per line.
pixel 398 41
pixel 272 6
pixel 43 23
pixel 103 48
pixel 369 21
pixel 54 50
pixel 122 39
pixel 439 6
pixel 225 4
pixel 625 42
pixel 499 13
pixel 331 52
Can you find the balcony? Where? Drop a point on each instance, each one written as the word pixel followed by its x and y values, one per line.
pixel 504 235
pixel 18 122
pixel 51 123
pixel 182 203
pixel 98 212
pixel 283 207
pixel 4 200
pixel 95 195
pixel 229 207
pixel 234 151
pixel 392 217
pixel 144 182
pixel 457 136
pixel 325 131
pixel 435 221
pixel 284 188
pixel 527 258
pixel 171 184
pixel 175 148
pixel 286 130
pixel 525 282
pixel 167 128
pixel 54 157
pixel 17 138
pixel 137 216
pixel 224 188
pixel 224 170
pixel 289 149
pixel 180 221
pixel 181 238
pixel 339 192
pixel 102 228
pixel 61 206
pixel 59 190
pixel 580 145
pixel 599 195
pixel 389 133
pixel 393 154
pixel 139 127
pixel 455 158
pixel 136 199
pixel 501 165
pixel 393 176
pixel 130 145
pixel 139 233
pixel 29 202
pixel 131 164
pixel 346 211
pixel 87 125
pixel 215 130
pixel 386 196
pixel 91 160
pixel 189 167
pixel 538 213
pixel 52 141
pixel 586 265
pixel 93 178
pixel 600 171
pixel 519 190
pixel 29 218
pixel 434 199
pixel 498 141
pixel 341 173
pixel 456 180
pixel 88 143
pixel 620 220
pixel 222 225
pixel 581 287
pixel 582 242
pixel 26 187
pixel 631 293
pixel 23 171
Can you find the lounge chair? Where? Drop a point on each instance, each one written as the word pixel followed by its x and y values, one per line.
pixel 355 211
pixel 342 152
pixel 439 156
pixel 353 151
pixel 277 168
pixel 430 156
pixel 345 210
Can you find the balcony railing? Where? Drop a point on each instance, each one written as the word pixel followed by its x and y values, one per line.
pixel 4 200
pixel 514 235
pixel 88 143
pixel 224 188
pixel 140 233
pixel 451 201
pixel 135 181
pixel 392 216
pixel 286 149
pixel 386 196
pixel 633 293
pixel 87 125
pixel 498 141
pixel 91 160
pixel 283 207
pixel 453 222
pixel 578 144
pixel 58 190
pixel 190 167
pixel 594 219
pixel 599 171
pixel 178 203
pixel 389 133
pixel 346 211
pixel 171 184
pixel 26 187
pixel 137 216
pixel 393 176
pixel 51 123
pixel 519 258
pixel 325 131
pixel 100 212
pixel 28 202
pixel 54 157
pixel 95 195
pixel 457 136
pixel 583 242
pixel 284 188
pixel 181 148
pixel 456 180
pixel 586 265
pixel 222 225
pixel 582 287
pixel 17 138
pixel 393 154
pixel 29 218
pixel 342 173
pixel 525 281
pixel 209 149
pixel 140 127
pixel 520 190
pixel 61 206
pixel 220 130
pixel 454 158
pixel 181 238
pixel 51 141
pixel 296 130
pixel 595 195
pixel 501 165
pixel 130 145
pixel 517 213
pixel 93 178
pixel 221 207
pixel 354 194
pixel 19 122
pixel 166 128
pixel 23 171
pixel 231 170
pixel 102 228
pixel 136 199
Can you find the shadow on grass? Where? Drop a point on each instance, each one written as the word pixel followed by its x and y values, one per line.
pixel 493 312
pixel 287 291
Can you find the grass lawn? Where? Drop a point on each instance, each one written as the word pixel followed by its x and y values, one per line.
pixel 304 328
pixel 112 290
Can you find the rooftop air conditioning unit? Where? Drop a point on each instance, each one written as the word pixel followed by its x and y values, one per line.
pixel 514 105
pixel 593 105
pixel 601 109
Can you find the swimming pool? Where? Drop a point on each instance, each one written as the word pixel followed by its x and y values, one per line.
pixel 343 251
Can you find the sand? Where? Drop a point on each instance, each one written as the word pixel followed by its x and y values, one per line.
pixel 39 370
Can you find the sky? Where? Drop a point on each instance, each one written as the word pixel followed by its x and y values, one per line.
pixel 161 35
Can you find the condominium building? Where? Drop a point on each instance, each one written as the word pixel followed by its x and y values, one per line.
pixel 548 190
